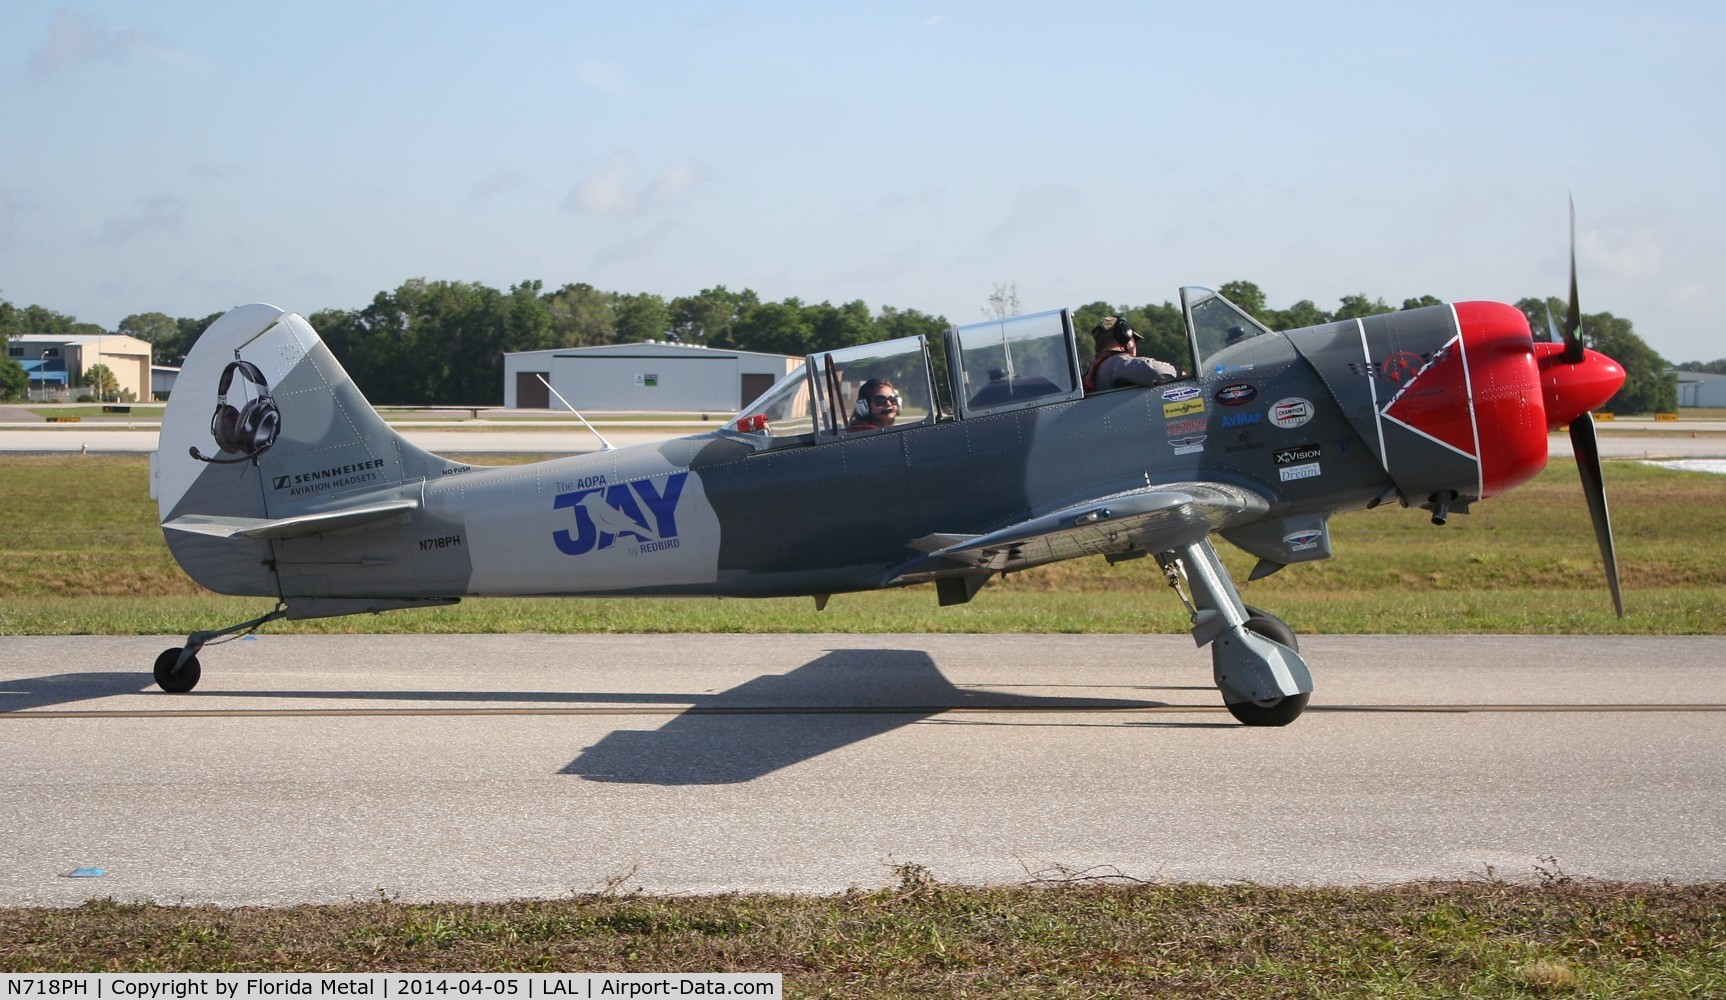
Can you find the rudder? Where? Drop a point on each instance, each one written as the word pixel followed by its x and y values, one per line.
pixel 264 423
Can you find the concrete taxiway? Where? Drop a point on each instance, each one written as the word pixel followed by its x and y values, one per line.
pixel 330 768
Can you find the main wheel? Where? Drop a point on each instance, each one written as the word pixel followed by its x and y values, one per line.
pixel 1279 711
pixel 182 680
pixel 1271 627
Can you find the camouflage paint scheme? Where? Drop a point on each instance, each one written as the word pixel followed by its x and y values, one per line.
pixel 335 513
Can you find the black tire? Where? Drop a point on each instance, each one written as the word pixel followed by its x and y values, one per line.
pixel 1271 627
pixel 181 681
pixel 1272 712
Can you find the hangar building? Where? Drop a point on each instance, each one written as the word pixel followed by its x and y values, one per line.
pixel 645 376
pixel 56 363
pixel 1700 389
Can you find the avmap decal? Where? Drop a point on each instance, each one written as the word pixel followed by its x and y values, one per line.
pixel 639 510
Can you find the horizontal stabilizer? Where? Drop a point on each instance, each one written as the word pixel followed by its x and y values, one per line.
pixel 292 527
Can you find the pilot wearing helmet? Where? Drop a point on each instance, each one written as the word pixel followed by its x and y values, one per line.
pixel 877 407
pixel 1118 363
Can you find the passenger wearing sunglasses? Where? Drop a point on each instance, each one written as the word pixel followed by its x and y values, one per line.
pixel 877 406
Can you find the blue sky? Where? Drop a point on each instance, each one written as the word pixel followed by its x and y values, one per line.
pixel 193 156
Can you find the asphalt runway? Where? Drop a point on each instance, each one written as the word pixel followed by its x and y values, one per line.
pixel 334 768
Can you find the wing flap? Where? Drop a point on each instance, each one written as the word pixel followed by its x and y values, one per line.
pixel 322 522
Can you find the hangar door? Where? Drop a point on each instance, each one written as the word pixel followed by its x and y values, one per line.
pixel 530 392
pixel 752 386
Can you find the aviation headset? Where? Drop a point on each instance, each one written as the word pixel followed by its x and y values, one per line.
pixel 1117 329
pixel 250 430
pixel 862 410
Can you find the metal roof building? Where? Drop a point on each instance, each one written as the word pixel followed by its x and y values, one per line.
pixel 641 377
pixel 1700 389
pixel 55 363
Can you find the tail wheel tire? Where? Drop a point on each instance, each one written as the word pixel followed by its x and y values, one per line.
pixel 177 681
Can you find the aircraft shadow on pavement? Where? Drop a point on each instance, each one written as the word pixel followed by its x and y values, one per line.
pixel 771 722
pixel 760 726
pixel 28 693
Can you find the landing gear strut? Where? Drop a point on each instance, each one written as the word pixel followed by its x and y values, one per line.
pixel 1254 654
pixel 178 670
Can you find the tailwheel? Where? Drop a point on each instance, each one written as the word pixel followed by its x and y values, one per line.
pixel 177 681
pixel 1270 712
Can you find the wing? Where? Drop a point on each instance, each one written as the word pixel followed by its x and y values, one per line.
pixel 1151 519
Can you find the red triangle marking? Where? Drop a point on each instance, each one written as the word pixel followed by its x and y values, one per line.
pixel 1435 402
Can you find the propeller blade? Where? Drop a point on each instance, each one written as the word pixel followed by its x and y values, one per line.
pixel 1587 448
pixel 1572 318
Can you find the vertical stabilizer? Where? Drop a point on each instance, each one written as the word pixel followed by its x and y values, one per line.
pixel 263 423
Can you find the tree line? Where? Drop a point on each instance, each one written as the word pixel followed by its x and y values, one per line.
pixel 441 343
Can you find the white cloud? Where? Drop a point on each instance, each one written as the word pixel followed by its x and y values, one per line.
pixel 73 41
pixel 672 182
pixel 603 76
pixel 8 219
pixel 1036 207
pixel 1634 251
pixel 161 213
pixel 614 192
pixel 915 198
pixel 883 268
pixel 640 246
pixel 501 182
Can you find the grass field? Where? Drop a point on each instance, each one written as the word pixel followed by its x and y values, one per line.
pixel 81 553
pixel 1547 937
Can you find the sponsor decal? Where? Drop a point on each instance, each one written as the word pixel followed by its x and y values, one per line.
pixel 1181 392
pixel 1238 394
pixel 1401 366
pixel 1231 369
pixel 335 477
pixel 644 511
pixel 1291 412
pixel 1245 446
pixel 456 470
pixel 1299 453
pixel 428 544
pixel 1188 445
pixel 1181 428
pixel 1290 473
pixel 1184 407
pixel 1301 541
pixel 580 483
pixel 1243 419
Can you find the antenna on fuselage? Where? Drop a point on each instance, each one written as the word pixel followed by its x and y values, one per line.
pixel 604 444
